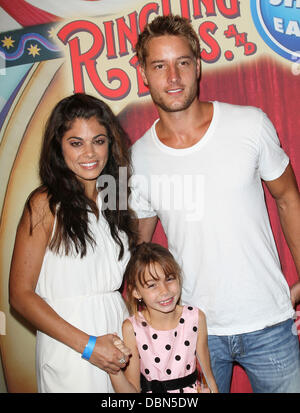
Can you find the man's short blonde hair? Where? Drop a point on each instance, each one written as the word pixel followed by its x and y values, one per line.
pixel 167 25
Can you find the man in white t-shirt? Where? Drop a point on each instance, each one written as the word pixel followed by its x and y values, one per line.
pixel 199 170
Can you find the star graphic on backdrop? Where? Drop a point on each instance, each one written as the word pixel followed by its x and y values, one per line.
pixel 52 32
pixel 33 50
pixel 8 42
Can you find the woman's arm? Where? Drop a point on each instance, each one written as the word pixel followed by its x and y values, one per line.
pixel 128 380
pixel 203 353
pixel 28 255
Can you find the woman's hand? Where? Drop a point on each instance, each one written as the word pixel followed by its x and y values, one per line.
pixel 107 356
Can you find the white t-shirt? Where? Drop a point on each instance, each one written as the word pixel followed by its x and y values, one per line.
pixel 210 200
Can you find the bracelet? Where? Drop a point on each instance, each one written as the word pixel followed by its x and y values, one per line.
pixel 87 352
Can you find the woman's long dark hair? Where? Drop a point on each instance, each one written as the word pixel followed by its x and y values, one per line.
pixel 66 194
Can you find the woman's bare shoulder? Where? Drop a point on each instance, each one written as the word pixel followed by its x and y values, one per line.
pixel 37 210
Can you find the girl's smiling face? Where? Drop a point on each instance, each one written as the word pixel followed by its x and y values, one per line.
pixel 160 292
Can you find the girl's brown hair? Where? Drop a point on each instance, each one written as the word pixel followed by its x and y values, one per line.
pixel 145 255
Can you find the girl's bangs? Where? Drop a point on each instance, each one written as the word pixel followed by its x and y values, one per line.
pixel 167 265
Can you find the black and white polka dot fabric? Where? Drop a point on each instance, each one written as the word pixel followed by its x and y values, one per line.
pixel 168 354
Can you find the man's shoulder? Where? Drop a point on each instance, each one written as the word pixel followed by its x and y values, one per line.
pixel 235 108
pixel 241 117
pixel 144 140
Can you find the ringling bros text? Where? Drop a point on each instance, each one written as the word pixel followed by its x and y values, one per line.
pixel 126 33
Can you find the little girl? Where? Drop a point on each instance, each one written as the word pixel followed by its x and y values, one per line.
pixel 165 338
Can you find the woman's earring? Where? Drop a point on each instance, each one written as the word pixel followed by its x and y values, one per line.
pixel 140 300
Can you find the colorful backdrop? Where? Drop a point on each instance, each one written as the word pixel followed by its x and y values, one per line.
pixel 50 49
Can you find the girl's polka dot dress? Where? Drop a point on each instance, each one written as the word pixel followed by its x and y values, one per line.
pixel 168 354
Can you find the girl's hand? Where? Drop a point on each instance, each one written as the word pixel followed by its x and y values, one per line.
pixel 120 345
pixel 202 389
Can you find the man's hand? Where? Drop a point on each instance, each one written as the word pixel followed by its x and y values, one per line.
pixel 295 293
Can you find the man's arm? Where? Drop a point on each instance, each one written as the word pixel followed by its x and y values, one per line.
pixel 146 228
pixel 286 194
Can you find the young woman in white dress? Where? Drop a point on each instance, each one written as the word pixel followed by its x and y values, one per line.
pixel 72 245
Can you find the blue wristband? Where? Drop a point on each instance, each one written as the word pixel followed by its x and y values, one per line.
pixel 87 352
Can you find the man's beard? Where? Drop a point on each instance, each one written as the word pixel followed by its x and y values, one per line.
pixel 172 107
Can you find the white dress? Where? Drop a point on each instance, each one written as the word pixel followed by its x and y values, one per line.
pixel 84 293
